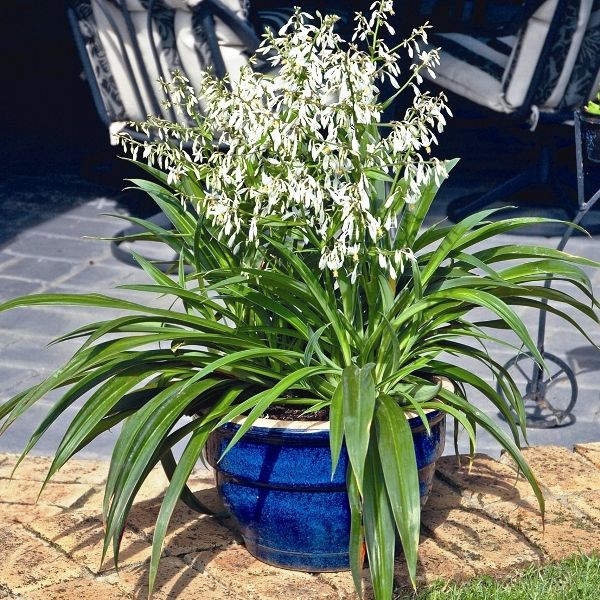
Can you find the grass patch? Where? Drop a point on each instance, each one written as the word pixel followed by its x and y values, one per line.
pixel 576 578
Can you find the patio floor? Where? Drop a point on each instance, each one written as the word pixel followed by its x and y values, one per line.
pixel 45 217
pixel 52 548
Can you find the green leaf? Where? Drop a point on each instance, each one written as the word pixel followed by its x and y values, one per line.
pixel 357 537
pixel 187 461
pixel 399 466
pixel 413 219
pixel 140 437
pixel 313 342
pixel 336 427
pixel 259 403
pixel 180 475
pixel 358 399
pixel 379 527
pixel 505 442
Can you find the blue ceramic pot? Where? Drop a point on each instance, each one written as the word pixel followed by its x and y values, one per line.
pixel 276 483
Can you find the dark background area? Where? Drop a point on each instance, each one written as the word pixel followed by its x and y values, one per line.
pixel 47 117
pixel 49 124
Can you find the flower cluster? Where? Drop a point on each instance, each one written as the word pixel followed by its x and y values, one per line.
pixel 303 146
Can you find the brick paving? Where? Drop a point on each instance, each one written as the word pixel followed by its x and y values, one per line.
pixel 478 521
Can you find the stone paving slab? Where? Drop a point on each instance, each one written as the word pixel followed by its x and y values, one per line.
pixel 589 451
pixel 480 520
pixel 46 220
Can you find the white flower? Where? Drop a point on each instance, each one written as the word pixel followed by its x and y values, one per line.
pixel 303 153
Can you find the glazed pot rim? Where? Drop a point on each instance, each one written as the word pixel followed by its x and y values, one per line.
pixel 309 425
pixel 324 425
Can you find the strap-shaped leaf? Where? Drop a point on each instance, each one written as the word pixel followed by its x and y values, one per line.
pixel 320 297
pixel 148 429
pixel 413 219
pixel 358 400
pixel 505 442
pixel 259 403
pixel 180 474
pixel 182 220
pixel 177 484
pixel 399 466
pixel 94 410
pixel 379 527
pixel 451 241
pixel 336 427
pixel 357 534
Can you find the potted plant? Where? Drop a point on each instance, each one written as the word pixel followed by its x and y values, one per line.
pixel 589 123
pixel 307 286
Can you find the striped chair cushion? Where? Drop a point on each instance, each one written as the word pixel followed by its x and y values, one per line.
pixel 497 72
pixel 585 76
pixel 171 40
pixel 273 14
pixel 474 67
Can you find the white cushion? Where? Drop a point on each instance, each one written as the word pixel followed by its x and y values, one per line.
pixel 232 50
pixel 583 17
pixel 473 67
pixel 107 16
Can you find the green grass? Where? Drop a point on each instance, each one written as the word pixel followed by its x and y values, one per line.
pixel 576 578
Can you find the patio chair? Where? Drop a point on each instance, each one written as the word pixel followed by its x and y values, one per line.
pixel 535 69
pixel 126 46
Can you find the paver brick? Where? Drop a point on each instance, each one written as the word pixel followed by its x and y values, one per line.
pixel 155 485
pixel 31 353
pixel 585 504
pixel 79 227
pixel 11 287
pixel 99 276
pixel 29 564
pixel 26 492
pixel 17 513
pixel 343 584
pixel 79 534
pixel 559 470
pixel 188 531
pixel 563 535
pixel 235 568
pixel 175 579
pixel 57 248
pixel 485 481
pixel 589 451
pixel 434 562
pixel 14 379
pixel 442 496
pixel 35 468
pixel 37 269
pixel 479 541
pixel 79 589
pixel 5 257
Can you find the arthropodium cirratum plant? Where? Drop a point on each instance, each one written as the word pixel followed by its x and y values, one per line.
pixel 305 278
